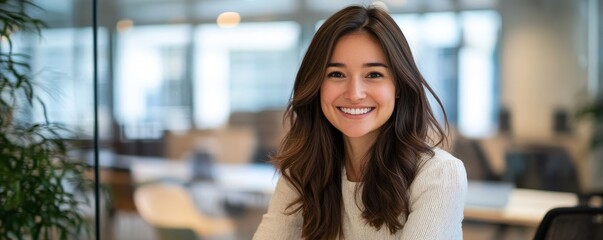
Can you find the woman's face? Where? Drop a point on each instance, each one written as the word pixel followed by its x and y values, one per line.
pixel 358 92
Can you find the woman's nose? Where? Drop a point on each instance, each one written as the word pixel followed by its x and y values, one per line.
pixel 355 89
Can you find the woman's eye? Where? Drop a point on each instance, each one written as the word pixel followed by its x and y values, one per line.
pixel 335 75
pixel 374 75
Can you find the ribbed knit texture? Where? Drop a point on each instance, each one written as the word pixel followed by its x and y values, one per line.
pixel 437 198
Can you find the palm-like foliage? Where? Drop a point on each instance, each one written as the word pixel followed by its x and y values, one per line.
pixel 38 181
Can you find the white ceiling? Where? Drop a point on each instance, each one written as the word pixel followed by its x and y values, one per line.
pixel 166 11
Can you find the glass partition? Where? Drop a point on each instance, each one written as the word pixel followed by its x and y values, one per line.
pixel 47 119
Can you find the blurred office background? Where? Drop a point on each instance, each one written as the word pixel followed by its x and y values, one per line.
pixel 196 80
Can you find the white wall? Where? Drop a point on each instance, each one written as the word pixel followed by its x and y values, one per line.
pixel 542 69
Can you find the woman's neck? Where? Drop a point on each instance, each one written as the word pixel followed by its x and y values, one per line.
pixel 356 150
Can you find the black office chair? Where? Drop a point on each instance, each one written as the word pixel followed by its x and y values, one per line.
pixel 541 167
pixel 475 160
pixel 582 222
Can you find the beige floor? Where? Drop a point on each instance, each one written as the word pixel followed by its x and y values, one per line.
pixel 129 226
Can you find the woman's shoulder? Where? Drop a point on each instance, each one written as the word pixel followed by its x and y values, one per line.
pixel 440 156
pixel 442 163
pixel 440 173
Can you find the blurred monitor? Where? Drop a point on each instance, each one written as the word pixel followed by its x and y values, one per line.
pixel 203 166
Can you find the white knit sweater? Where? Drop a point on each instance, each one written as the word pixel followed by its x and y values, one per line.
pixel 437 197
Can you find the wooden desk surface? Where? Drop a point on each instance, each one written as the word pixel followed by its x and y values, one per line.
pixel 257 177
pixel 524 207
pixel 496 202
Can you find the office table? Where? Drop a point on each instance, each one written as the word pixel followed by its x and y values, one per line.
pixel 495 202
pixel 499 202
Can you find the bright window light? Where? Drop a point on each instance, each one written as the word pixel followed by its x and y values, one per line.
pixel 217 51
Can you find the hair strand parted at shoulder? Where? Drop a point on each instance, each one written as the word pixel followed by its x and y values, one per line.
pixel 312 152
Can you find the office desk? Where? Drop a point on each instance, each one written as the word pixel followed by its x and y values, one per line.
pixel 256 177
pixel 498 202
pixel 114 170
pixel 494 202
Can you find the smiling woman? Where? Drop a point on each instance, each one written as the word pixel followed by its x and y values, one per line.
pixel 358 93
pixel 361 160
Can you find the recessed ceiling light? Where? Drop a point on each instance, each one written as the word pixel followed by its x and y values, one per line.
pixel 228 19
pixel 381 5
pixel 124 25
pixel 398 3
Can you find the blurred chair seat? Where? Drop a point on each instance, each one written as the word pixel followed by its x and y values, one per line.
pixel 170 209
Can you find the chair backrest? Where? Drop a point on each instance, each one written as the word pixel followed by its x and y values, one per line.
pixel 236 145
pixel 476 162
pixel 568 223
pixel 232 144
pixel 542 167
pixel 170 206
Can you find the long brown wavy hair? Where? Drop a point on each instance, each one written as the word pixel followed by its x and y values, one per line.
pixel 311 156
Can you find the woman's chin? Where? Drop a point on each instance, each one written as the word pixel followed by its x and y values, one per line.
pixel 356 133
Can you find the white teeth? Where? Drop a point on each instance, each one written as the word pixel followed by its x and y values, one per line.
pixel 355 111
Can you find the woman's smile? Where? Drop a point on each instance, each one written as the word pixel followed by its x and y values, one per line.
pixel 356 111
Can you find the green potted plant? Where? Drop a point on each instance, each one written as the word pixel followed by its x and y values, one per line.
pixel 39 183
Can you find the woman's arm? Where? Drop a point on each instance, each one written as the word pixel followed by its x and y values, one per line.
pixel 275 223
pixel 437 199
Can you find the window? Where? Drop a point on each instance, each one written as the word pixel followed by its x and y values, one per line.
pixel 151 89
pixel 62 65
pixel 247 68
pixel 478 74
pixel 455 53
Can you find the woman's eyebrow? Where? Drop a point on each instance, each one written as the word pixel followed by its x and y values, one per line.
pixel 370 64
pixel 335 64
pixel 375 64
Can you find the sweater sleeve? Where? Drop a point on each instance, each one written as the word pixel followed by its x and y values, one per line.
pixel 437 199
pixel 276 224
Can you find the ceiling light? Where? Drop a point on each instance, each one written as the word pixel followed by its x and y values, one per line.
pixel 397 3
pixel 381 5
pixel 124 25
pixel 228 19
